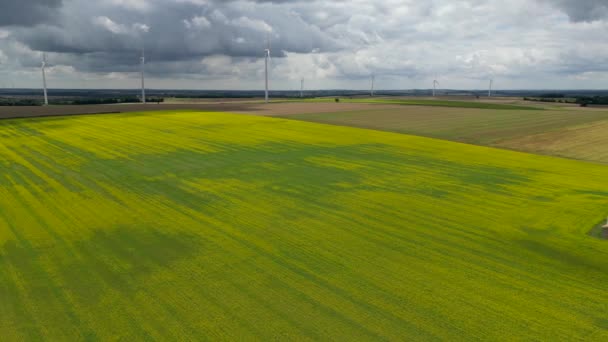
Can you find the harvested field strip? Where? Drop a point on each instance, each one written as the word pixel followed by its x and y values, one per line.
pixel 216 226
pixel 586 142
pixel 419 102
pixel 572 134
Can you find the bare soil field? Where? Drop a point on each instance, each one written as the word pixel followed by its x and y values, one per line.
pixel 263 109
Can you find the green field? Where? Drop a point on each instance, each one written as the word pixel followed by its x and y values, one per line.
pixel 572 133
pixel 190 225
pixel 421 102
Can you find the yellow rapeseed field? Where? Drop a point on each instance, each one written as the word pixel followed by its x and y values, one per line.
pixel 194 226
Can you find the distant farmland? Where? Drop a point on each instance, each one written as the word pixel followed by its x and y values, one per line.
pixel 216 226
pixel 404 101
pixel 565 132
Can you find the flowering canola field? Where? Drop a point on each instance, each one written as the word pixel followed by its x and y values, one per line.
pixel 217 226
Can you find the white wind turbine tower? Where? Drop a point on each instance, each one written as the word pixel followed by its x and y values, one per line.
pixel 490 89
pixel 373 81
pixel 435 84
pixel 266 60
pixel 43 69
pixel 143 66
pixel 302 88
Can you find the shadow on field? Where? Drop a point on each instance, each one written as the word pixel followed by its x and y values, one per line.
pixel 560 256
pixel 88 268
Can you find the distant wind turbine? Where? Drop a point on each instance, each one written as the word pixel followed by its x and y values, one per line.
pixel 43 68
pixel 143 67
pixel 373 81
pixel 266 60
pixel 490 89
pixel 302 88
pixel 435 84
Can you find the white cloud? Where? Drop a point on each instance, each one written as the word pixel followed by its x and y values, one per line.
pixel 116 76
pixel 218 16
pixel 252 24
pixel 116 28
pixel 197 22
pixel 222 65
pixel 64 70
pixel 110 25
pixel 138 27
pixel 137 5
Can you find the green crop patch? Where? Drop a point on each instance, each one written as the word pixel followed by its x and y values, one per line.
pixel 208 226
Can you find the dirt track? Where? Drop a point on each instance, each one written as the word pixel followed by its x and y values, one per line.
pixel 245 108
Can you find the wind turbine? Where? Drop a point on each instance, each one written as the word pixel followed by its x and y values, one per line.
pixel 435 84
pixel 490 89
pixel 302 88
pixel 43 67
pixel 266 60
pixel 373 81
pixel 143 67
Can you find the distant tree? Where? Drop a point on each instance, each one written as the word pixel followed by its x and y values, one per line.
pixel 553 96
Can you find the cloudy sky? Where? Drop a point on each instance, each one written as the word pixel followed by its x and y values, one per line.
pixel 213 44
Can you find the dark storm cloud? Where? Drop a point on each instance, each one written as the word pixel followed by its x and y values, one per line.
pixel 583 10
pixel 27 12
pixel 176 31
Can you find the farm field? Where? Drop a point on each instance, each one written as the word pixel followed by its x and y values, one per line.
pixel 194 225
pixel 573 133
pixel 587 141
pixel 271 109
pixel 430 102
